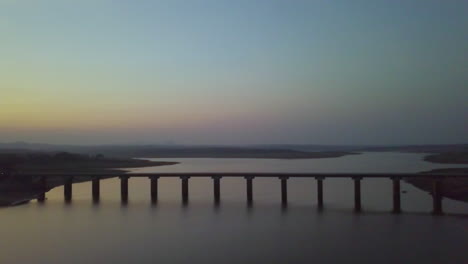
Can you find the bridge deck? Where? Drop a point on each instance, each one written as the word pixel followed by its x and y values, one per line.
pixel 437 181
pixel 255 174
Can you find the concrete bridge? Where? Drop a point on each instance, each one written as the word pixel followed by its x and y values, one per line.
pixel 437 181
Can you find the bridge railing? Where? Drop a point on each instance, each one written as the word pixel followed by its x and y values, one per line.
pixel 437 183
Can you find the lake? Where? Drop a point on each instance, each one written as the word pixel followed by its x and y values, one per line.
pixel 200 232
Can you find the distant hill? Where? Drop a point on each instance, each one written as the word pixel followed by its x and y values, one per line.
pixel 175 151
pixel 419 148
pixel 33 162
pixel 284 151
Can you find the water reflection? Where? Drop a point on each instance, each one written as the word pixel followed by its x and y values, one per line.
pixel 232 231
pixel 174 233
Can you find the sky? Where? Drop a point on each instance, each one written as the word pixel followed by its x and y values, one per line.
pixel 234 72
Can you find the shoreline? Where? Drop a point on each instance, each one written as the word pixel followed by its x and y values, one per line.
pixel 15 189
pixel 447 158
pixel 456 189
pixel 104 166
pixel 19 190
pixel 453 188
pixel 287 155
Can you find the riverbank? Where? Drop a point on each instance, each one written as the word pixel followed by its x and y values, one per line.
pixel 244 153
pixel 188 151
pixel 453 188
pixel 66 162
pixel 448 158
pixel 90 166
pixel 16 189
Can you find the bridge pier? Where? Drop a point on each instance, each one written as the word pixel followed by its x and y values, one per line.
pixel 41 187
pixel 154 188
pixel 357 194
pixel 95 186
pixel 185 189
pixel 41 197
pixel 284 190
pixel 43 184
pixel 437 197
pixel 216 189
pixel 124 188
pixel 320 192
pixel 396 195
pixel 67 190
pixel 249 189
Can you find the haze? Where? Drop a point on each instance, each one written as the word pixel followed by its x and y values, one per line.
pixel 234 72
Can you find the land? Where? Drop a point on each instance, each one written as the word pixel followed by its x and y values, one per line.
pixel 448 158
pixel 245 153
pixel 280 151
pixel 453 188
pixel 16 188
pixel 183 151
pixel 44 158
pixel 416 148
pixel 64 162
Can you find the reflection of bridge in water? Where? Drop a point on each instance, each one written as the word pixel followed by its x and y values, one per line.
pixel 437 182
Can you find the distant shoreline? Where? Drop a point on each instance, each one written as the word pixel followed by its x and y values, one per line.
pixel 250 154
pixel 453 188
pixel 448 158
pixel 99 167
pixel 16 190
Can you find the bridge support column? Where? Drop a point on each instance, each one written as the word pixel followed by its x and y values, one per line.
pixel 357 194
pixel 249 189
pixel 43 185
pixel 124 188
pixel 216 189
pixel 320 192
pixel 396 195
pixel 185 189
pixel 284 190
pixel 95 188
pixel 67 190
pixel 437 197
pixel 41 197
pixel 154 188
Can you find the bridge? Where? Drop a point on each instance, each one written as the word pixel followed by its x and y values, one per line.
pixel 437 182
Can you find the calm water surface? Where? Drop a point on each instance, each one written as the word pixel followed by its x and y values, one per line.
pixel 233 233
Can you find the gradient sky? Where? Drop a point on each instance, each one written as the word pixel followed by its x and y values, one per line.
pixel 234 72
